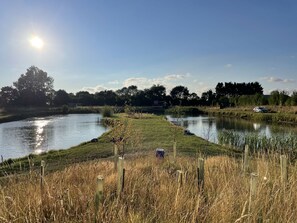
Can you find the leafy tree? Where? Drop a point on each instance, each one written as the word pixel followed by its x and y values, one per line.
pixel 179 95
pixel 85 98
pixel 294 98
pixel 61 98
pixel 274 98
pixel 35 87
pixel 107 97
pixel 283 97
pixel 208 97
pixel 230 89
pixel 127 94
pixel 8 96
pixel 156 93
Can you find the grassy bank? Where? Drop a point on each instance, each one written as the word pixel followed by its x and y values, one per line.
pixel 153 132
pixel 152 194
pixel 277 114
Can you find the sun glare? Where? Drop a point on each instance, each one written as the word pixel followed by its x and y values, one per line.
pixel 37 42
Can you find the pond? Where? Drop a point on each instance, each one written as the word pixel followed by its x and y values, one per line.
pixel 36 135
pixel 213 128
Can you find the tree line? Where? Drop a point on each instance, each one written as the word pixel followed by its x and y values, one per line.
pixel 35 88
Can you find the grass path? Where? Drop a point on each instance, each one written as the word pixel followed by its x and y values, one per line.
pixel 155 132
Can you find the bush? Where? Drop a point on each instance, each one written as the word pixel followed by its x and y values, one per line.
pixel 65 109
pixel 107 111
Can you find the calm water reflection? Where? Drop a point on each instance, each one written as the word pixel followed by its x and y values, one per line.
pixel 208 127
pixel 37 135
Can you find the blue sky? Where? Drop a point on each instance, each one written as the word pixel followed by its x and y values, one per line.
pixel 108 44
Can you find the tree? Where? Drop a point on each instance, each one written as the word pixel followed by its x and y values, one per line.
pixel 274 98
pixel 34 87
pixel 156 94
pixel 8 96
pixel 85 98
pixel 208 97
pixel 107 97
pixel 61 98
pixel 179 95
pixel 294 98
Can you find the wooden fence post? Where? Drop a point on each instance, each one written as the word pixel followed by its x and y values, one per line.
pixel 116 156
pixel 98 196
pixel 284 169
pixel 200 172
pixel 246 159
pixel 174 150
pixel 42 164
pixel 253 189
pixel 2 159
pixel 180 178
pixel 121 173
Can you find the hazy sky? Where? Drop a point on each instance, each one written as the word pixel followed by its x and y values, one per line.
pixel 92 45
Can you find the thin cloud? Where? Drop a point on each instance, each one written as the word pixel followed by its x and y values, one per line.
pixel 168 81
pixel 115 82
pixel 95 89
pixel 229 65
pixel 176 76
pixel 277 79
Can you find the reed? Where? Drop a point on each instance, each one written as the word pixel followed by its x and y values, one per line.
pixel 152 193
pixel 258 143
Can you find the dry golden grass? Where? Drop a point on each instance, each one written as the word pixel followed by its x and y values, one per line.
pixel 151 193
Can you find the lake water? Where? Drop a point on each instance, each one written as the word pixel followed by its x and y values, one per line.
pixel 36 135
pixel 208 127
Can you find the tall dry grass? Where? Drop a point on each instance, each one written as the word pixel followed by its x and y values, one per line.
pixel 151 193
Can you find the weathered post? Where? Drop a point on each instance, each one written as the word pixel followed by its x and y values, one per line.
pixel 284 169
pixel 246 159
pixel 253 189
pixel 42 164
pixel 180 178
pixel 20 165
pixel 2 159
pixel 200 172
pixel 98 196
pixel 174 150
pixel 120 176
pixel 42 176
pixel 116 156
pixel 30 165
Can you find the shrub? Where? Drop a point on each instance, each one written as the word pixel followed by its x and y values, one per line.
pixel 107 111
pixel 65 109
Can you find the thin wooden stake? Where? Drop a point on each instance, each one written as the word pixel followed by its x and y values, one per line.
pixel 42 165
pixel 180 178
pixel 246 159
pixel 2 159
pixel 116 156
pixel 98 197
pixel 253 189
pixel 174 150
pixel 284 169
pixel 200 172
pixel 120 176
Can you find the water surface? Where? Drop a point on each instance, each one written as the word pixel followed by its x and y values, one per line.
pixel 36 135
pixel 208 127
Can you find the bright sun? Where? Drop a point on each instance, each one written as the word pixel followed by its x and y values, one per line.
pixel 36 42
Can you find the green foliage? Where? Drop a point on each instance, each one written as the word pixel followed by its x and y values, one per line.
pixel 65 109
pixel 107 111
pixel 35 87
pixel 278 143
pixel 61 98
